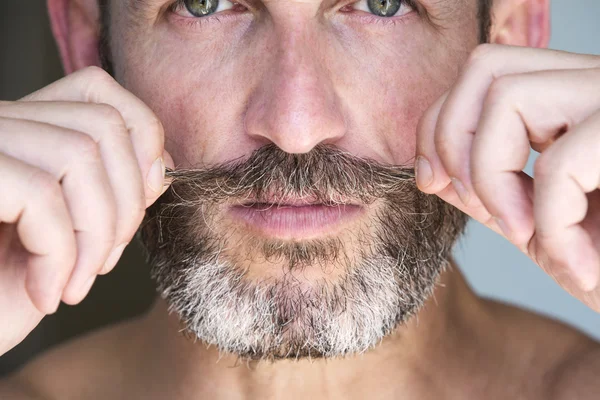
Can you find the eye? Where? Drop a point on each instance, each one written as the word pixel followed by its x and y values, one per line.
pixel 201 8
pixel 384 8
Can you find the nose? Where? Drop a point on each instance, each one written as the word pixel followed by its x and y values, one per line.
pixel 295 105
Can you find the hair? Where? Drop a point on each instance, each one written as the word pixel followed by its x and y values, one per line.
pixel 484 14
pixel 373 276
pixel 104 41
pixel 485 20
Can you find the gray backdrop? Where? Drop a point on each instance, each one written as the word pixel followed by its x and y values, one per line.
pixel 493 266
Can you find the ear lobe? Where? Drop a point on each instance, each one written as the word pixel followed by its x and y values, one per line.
pixel 76 31
pixel 521 23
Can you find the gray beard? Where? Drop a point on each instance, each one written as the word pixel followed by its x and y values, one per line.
pixel 395 269
pixel 284 319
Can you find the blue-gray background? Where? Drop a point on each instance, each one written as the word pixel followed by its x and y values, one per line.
pixel 28 61
pixel 493 266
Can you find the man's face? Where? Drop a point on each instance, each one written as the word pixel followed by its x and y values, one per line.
pixel 294 227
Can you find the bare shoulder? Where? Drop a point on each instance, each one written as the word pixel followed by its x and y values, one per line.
pixel 568 361
pixel 577 378
pixel 14 389
pixel 69 370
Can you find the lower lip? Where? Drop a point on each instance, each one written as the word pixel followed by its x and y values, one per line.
pixel 295 222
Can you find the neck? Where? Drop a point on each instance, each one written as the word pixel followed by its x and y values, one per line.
pixel 422 351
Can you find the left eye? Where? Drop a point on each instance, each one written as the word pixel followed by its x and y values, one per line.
pixel 202 8
pixel 383 8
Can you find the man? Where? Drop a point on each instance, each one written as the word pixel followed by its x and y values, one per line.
pixel 295 250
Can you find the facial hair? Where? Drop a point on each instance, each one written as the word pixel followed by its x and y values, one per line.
pixel 385 272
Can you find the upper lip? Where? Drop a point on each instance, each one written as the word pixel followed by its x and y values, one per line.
pixel 270 201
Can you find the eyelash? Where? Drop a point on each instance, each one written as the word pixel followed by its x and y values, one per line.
pixel 179 5
pixel 192 21
pixel 369 18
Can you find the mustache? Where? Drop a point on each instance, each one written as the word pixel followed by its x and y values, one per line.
pixel 326 175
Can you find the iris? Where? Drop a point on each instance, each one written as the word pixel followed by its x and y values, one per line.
pixel 384 8
pixel 201 8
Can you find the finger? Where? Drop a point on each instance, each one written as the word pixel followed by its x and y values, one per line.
pixel 105 125
pixel 441 185
pixel 93 85
pixel 78 166
pixel 459 116
pixel 515 114
pixel 427 164
pixel 563 175
pixel 33 199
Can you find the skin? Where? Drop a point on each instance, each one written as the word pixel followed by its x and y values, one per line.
pixel 297 81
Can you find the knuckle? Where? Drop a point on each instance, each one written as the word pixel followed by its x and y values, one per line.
pixel 91 78
pixel 83 148
pixel 501 90
pixel 109 114
pixel 95 74
pixel 480 56
pixel 114 123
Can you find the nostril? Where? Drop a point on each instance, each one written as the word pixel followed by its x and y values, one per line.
pixel 296 109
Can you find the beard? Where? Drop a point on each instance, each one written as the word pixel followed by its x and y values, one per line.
pixel 264 298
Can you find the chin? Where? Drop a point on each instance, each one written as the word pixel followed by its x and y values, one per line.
pixel 308 299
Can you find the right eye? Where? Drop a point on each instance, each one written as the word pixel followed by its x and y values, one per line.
pixel 201 8
pixel 384 8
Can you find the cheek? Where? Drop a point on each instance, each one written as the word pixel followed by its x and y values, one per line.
pixel 391 82
pixel 201 104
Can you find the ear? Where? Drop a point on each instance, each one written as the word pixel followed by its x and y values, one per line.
pixel 76 27
pixel 521 23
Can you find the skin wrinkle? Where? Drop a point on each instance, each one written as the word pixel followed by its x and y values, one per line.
pixel 239 91
pixel 341 84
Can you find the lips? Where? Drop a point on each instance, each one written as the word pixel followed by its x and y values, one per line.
pixel 295 218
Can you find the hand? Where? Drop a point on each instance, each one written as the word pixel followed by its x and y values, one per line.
pixel 477 138
pixel 80 160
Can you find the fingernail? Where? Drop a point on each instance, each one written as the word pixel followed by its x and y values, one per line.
pixel 460 190
pixel 503 227
pixel 156 176
pixel 423 172
pixel 114 257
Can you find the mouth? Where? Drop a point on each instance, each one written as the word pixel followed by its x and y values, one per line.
pixel 296 218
